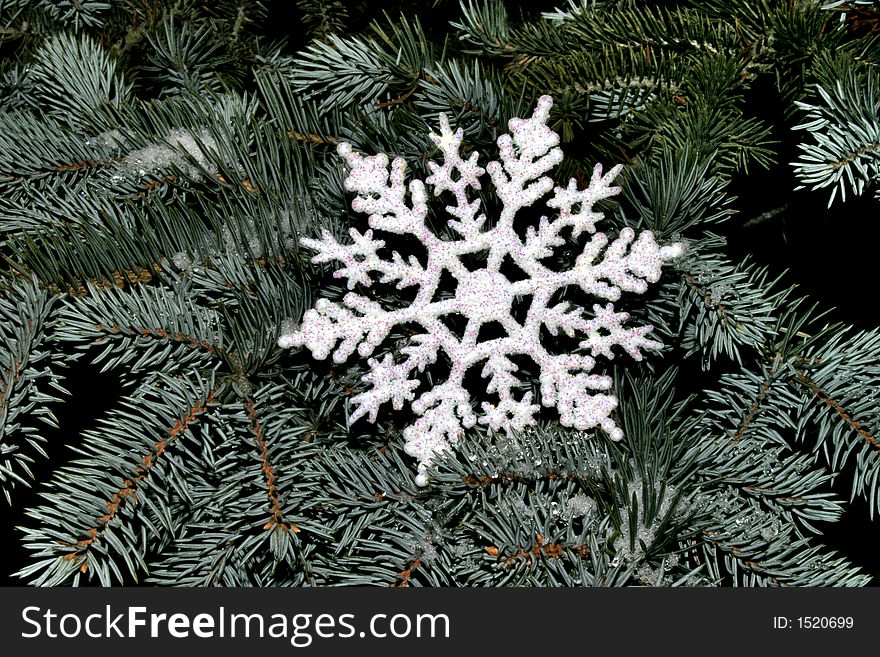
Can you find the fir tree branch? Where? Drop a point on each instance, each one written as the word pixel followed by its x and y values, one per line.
pixel 855 425
pixel 277 514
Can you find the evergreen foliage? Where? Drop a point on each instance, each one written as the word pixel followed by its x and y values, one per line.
pixel 160 163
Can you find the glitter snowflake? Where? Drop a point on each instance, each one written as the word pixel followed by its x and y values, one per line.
pixel 484 295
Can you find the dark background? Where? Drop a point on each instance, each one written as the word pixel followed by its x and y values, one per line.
pixel 828 253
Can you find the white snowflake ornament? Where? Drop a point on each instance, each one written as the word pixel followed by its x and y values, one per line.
pixel 485 295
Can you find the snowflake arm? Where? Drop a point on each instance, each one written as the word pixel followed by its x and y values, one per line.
pixel 390 383
pixel 509 413
pixel 445 411
pixel 526 155
pixel 631 340
pixel 456 175
pixel 361 257
pixel 575 206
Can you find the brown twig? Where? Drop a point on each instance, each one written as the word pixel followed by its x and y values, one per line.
pixel 856 425
pixel 405 574
pixel 277 515
pixel 396 101
pixel 158 332
pixel 540 550
pixel 753 409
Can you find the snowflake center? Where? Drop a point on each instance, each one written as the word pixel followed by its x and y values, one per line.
pixel 484 295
